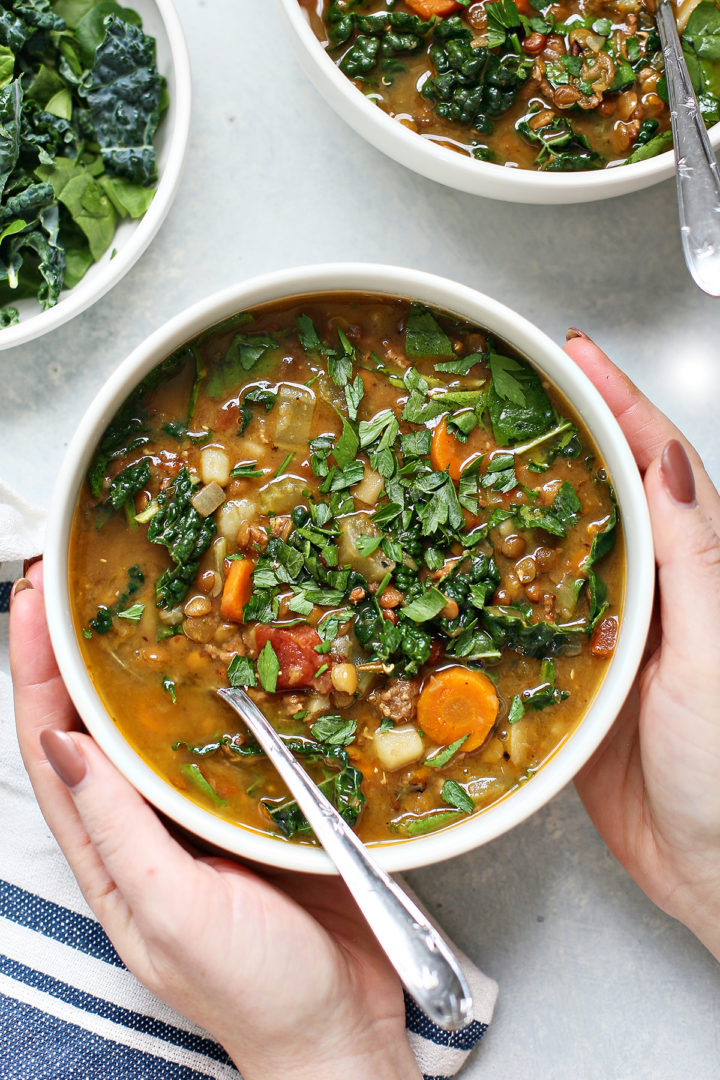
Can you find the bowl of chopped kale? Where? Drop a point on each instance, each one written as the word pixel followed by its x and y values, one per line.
pixel 94 123
pixel 397 514
pixel 523 101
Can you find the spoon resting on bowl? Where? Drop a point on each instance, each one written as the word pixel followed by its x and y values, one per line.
pixel 415 947
pixel 698 178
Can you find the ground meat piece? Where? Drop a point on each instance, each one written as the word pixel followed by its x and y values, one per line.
pixel 397 699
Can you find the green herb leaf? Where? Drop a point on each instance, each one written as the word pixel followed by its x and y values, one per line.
pixel 424 336
pixel 169 685
pixel 334 730
pixel 346 447
pixel 191 771
pixel 240 672
pixel 268 668
pixel 441 757
pixel 425 607
pixel 517 710
pixel 455 795
pixel 133 614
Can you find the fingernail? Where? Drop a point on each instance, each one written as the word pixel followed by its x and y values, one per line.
pixel 677 473
pixel 20 584
pixel 573 332
pixel 30 562
pixel 64 755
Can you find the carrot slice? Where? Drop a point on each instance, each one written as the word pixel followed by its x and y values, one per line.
pixel 428 8
pixel 237 589
pixel 456 702
pixel 447 453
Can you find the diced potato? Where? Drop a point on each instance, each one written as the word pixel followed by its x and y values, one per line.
pixel 370 488
pixel 485 789
pixel 231 515
pixel 214 465
pixel 493 751
pixel 293 412
pixel 521 742
pixel 282 495
pixel 373 567
pixel 398 747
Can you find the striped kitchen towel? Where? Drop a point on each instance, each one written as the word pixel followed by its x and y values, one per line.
pixel 69 1009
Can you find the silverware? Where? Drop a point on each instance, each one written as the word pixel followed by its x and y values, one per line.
pixel 417 950
pixel 698 178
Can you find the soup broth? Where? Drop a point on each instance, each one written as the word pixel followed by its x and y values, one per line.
pixel 573 85
pixel 382 522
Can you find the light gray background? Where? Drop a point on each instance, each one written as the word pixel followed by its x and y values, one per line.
pixel 594 981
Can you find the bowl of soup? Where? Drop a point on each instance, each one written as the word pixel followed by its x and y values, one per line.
pixel 395 513
pixel 556 103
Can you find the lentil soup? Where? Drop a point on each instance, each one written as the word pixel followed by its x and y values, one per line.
pixel 382 522
pixel 572 85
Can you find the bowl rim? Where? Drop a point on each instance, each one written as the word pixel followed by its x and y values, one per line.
pixel 551 361
pixel 458 170
pixel 78 300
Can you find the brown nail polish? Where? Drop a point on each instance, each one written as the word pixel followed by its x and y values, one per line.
pixel 20 584
pixel 64 755
pixel 677 473
pixel 573 332
pixel 30 562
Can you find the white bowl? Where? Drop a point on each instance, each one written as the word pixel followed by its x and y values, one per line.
pixel 552 361
pixel 160 20
pixel 453 169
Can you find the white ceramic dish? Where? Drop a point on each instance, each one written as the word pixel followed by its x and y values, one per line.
pixel 551 360
pixel 160 20
pixel 457 170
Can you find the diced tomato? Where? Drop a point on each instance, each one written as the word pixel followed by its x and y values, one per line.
pixel 602 643
pixel 294 647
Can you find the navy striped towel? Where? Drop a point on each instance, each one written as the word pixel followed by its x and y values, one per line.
pixel 69 1009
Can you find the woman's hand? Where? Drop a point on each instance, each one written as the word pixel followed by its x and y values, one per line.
pixel 653 787
pixel 284 973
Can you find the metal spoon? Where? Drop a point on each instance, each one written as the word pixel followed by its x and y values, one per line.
pixel 417 950
pixel 698 178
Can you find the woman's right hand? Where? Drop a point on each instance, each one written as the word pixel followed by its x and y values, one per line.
pixel 653 787
pixel 283 971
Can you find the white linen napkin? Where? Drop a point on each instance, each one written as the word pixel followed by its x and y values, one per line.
pixel 68 1005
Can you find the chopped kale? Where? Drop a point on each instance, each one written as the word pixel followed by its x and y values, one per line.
pixel 179 528
pixel 102 622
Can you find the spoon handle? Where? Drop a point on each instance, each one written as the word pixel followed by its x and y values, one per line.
pixel 416 949
pixel 698 179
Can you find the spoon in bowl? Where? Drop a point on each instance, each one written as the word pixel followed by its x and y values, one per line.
pixel 698 178
pixel 415 947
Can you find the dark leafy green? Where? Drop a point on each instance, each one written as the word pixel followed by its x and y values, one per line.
pixel 179 528
pixel 511 627
pixel 80 101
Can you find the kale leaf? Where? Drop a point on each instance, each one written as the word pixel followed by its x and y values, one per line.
pixel 79 100
pixel 187 536
pixel 123 92
pixel 510 627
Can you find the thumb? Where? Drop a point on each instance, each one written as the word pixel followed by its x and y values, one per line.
pixel 687 550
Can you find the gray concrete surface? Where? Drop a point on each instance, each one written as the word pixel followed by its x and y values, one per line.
pixel 595 983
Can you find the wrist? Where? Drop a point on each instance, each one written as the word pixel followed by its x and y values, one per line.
pixel 393 1060
pixel 699 911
